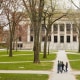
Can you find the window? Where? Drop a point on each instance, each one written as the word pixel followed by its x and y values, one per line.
pixel 61 27
pixel 20 45
pixel 43 38
pixel 49 38
pixel 68 39
pixel 55 39
pixel 31 38
pixel 74 38
pixel 74 28
pixel 55 27
pixel 68 27
pixel 62 39
pixel 20 38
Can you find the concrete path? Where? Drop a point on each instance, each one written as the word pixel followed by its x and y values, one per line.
pixel 61 55
pixel 26 71
pixel 21 62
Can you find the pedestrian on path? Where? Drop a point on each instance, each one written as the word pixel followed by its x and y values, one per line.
pixel 61 56
pixel 58 66
pixel 66 66
pixel 62 65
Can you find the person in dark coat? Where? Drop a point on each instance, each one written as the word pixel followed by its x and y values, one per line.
pixel 66 66
pixel 58 67
pixel 62 64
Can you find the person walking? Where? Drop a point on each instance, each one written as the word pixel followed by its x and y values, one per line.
pixel 58 67
pixel 66 66
pixel 62 66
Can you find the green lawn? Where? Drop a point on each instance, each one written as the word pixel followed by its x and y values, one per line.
pixel 24 56
pixel 23 77
pixel 76 63
pixel 19 56
pixel 16 52
pixel 73 56
pixel 78 77
pixel 27 66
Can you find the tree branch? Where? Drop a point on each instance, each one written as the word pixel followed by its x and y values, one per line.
pixel 75 4
pixel 59 18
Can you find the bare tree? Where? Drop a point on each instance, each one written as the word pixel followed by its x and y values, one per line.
pixel 10 9
pixel 34 9
pixel 49 16
pixel 1 1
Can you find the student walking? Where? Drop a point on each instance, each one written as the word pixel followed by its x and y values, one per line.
pixel 62 64
pixel 58 66
pixel 66 66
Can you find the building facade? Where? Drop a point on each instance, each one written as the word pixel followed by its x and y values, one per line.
pixel 63 35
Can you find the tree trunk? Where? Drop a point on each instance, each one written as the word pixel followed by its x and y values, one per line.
pixel 79 46
pixel 13 45
pixel 40 40
pixel 48 47
pixel 16 45
pixel 79 42
pixel 10 47
pixel 45 45
pixel 36 42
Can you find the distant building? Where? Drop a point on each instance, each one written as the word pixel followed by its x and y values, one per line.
pixel 63 35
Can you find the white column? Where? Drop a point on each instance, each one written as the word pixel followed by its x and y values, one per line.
pixel 71 41
pixel 58 33
pixel 65 33
pixel 71 34
pixel 28 34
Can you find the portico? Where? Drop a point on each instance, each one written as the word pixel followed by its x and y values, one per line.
pixel 63 35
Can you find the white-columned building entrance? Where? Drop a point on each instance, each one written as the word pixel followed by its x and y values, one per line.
pixel 63 36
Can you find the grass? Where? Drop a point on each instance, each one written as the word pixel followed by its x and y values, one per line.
pixel 71 51
pixel 78 77
pixel 16 52
pixel 17 57
pixel 73 56
pixel 24 56
pixel 74 64
pixel 27 66
pixel 27 57
pixel 23 77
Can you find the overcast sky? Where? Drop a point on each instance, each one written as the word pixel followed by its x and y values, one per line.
pixel 68 4
pixel 65 3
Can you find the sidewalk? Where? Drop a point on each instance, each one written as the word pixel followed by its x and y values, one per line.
pixel 25 71
pixel 61 55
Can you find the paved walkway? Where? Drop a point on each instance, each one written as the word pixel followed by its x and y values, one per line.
pixel 61 55
pixel 26 71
